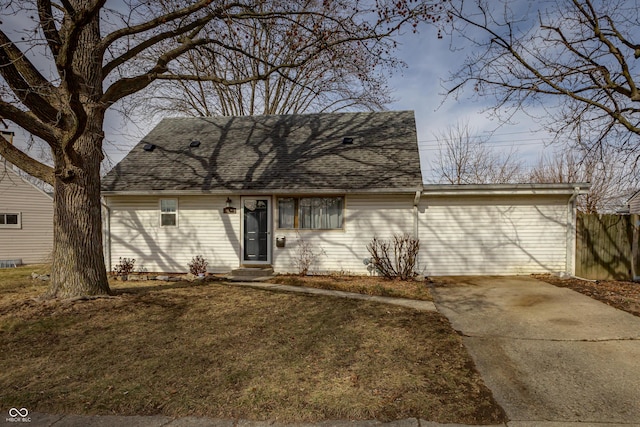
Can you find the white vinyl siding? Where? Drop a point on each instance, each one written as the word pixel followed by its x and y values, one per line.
pixel 31 240
pixel 498 235
pixel 344 250
pixel 203 230
pixel 461 235
pixel 634 204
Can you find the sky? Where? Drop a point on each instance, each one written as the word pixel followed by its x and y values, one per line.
pixel 418 87
pixel 421 87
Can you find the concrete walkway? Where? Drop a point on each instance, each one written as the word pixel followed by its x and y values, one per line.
pixel 550 355
pixel 404 302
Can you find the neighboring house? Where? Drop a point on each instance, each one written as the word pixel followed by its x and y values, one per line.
pixel 634 203
pixel 26 220
pixel 248 191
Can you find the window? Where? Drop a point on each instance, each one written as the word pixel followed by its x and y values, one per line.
pixel 10 220
pixel 168 212
pixel 313 213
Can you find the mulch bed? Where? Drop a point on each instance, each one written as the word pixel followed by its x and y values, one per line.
pixel 619 294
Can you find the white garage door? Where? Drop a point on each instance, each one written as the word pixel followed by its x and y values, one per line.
pixel 497 235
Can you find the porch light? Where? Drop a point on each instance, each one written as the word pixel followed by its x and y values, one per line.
pixel 228 208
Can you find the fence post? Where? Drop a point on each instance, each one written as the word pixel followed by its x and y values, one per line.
pixel 635 250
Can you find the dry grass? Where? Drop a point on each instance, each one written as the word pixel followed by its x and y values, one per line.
pixel 616 293
pixel 210 350
pixel 368 285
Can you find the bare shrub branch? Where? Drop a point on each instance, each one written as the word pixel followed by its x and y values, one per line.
pixel 306 254
pixel 397 258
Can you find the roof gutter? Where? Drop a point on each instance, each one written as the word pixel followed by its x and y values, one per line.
pixel 505 189
pixel 416 200
pixel 106 227
pixel 244 192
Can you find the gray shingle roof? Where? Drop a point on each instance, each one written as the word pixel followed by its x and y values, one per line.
pixel 294 153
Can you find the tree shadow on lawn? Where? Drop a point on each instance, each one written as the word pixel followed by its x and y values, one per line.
pixel 139 287
pixel 181 349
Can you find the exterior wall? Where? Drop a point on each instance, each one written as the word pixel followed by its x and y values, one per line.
pixel 135 232
pixel 498 235
pixel 459 235
pixel 366 216
pixel 634 204
pixel 33 242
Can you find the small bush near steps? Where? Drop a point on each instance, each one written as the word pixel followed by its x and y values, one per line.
pixel 198 265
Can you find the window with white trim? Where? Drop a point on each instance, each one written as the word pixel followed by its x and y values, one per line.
pixel 168 212
pixel 10 220
pixel 311 213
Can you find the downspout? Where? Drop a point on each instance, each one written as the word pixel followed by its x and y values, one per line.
pixel 107 234
pixel 416 200
pixel 571 233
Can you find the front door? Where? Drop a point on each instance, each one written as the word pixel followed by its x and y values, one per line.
pixel 256 230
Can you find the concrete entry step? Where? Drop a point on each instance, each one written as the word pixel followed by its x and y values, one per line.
pixel 245 274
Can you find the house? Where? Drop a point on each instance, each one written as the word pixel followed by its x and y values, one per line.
pixel 634 203
pixel 259 190
pixel 26 220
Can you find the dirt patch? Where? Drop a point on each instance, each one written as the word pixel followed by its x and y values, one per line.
pixel 207 349
pixel 621 295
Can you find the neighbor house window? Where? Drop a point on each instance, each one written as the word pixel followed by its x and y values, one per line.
pixel 10 220
pixel 168 212
pixel 314 213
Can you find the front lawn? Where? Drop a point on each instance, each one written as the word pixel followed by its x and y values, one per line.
pixel 213 350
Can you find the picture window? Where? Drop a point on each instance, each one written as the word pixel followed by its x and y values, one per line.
pixel 311 213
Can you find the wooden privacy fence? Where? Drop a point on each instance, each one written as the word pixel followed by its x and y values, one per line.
pixel 607 246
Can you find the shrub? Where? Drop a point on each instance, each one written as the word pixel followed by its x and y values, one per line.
pixel 306 254
pixel 395 259
pixel 198 265
pixel 124 267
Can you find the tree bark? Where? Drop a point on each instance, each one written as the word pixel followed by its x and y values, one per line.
pixel 78 267
pixel 78 261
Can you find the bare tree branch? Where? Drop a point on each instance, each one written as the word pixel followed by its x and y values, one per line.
pixel 611 180
pixel 28 164
pixel 465 158
pixel 63 63
pixel 576 62
pixel 29 122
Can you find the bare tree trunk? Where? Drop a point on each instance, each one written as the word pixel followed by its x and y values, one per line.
pixel 78 261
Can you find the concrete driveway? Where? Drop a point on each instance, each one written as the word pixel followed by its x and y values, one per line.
pixel 548 353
